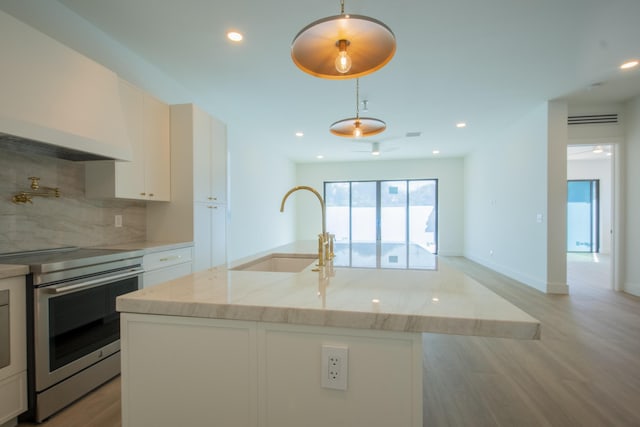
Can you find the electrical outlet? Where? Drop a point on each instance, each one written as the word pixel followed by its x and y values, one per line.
pixel 118 221
pixel 335 364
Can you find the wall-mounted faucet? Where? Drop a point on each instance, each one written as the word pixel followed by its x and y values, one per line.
pixel 38 190
pixel 325 240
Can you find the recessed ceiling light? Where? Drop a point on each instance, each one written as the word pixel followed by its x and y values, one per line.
pixel 234 36
pixel 629 64
pixel 461 125
pixel 300 134
pixel 436 151
pixel 319 156
pixel 598 150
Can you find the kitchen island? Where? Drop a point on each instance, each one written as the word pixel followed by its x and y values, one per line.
pixel 229 346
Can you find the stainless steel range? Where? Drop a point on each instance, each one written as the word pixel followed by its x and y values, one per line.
pixel 73 326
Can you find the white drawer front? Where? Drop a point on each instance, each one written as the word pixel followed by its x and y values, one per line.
pixel 168 258
pixel 13 396
pixel 162 275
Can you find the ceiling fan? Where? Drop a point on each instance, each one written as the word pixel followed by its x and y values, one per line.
pixel 377 147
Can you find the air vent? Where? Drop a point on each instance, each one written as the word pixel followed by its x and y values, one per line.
pixel 593 119
pixel 413 134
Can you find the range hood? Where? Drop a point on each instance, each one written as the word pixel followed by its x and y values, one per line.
pixel 29 146
pixel 55 101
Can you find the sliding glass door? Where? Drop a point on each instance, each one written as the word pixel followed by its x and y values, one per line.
pixel 388 224
pixel 583 222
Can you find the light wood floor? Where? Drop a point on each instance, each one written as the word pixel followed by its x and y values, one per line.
pixel 585 371
pixel 589 269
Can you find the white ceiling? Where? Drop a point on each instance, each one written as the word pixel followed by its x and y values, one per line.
pixel 482 62
pixel 586 152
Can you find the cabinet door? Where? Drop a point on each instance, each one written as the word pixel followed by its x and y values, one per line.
pixel 157 160
pixel 201 236
pixel 218 161
pixel 130 176
pixel 209 235
pixel 218 234
pixel 201 155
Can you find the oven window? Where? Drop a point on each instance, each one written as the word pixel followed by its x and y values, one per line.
pixel 84 321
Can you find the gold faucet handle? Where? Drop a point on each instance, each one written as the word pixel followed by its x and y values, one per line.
pixel 35 182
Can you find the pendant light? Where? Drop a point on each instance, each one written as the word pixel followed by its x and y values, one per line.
pixel 343 46
pixel 357 127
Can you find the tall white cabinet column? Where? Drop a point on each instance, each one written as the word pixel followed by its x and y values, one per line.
pixel 198 208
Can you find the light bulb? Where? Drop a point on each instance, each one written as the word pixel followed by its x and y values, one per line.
pixel 357 131
pixel 343 60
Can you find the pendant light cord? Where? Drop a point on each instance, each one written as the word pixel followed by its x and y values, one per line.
pixel 341 7
pixel 357 98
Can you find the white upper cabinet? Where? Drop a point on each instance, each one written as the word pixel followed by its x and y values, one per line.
pixel 148 175
pixel 210 158
pixel 157 149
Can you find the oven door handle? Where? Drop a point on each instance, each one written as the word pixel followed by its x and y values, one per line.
pixel 60 289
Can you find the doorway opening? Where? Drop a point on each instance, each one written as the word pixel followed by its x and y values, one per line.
pixel 590 209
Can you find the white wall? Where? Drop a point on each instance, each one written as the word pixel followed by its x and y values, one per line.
pixel 448 171
pixel 57 21
pixel 631 223
pixel 505 190
pixel 258 180
pixel 601 170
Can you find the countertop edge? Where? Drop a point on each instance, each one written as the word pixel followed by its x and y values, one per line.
pixel 335 318
pixel 10 270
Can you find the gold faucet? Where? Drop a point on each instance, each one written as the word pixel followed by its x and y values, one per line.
pixel 38 190
pixel 325 240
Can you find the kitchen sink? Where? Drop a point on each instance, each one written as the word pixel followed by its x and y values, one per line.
pixel 277 262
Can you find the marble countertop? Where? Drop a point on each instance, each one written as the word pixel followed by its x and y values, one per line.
pixel 8 270
pixel 443 300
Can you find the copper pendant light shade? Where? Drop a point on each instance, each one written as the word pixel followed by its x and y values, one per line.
pixel 357 127
pixel 343 46
pixel 348 128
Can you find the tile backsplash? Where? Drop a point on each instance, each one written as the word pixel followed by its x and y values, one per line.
pixel 71 220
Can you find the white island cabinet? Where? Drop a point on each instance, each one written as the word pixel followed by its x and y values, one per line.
pixel 13 343
pixel 249 348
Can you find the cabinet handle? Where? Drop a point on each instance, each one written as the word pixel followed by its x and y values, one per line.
pixel 143 194
pixel 212 207
pixel 212 198
pixel 150 194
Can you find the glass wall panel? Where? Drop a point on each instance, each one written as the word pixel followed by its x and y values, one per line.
pixel 422 214
pixel 383 224
pixel 582 216
pixel 337 196
pixel 363 211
